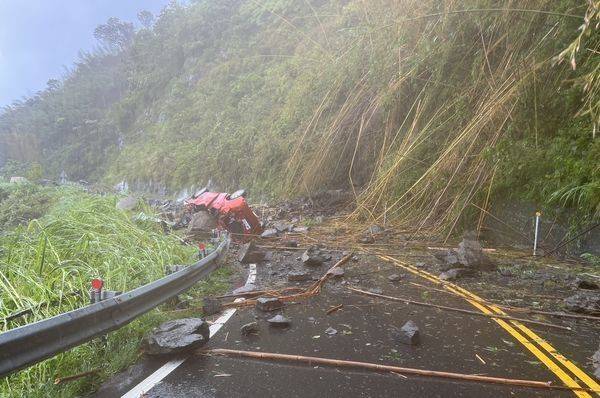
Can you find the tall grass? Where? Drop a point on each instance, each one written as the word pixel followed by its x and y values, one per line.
pixel 46 268
pixel 428 90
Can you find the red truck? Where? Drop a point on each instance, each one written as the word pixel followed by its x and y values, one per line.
pixel 231 211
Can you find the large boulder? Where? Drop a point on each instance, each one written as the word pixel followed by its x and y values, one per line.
pixel 586 284
pixel 177 336
pixel 250 254
pixel 470 254
pixel 202 221
pixel 584 302
pixel 448 258
pixel 313 257
pixel 408 334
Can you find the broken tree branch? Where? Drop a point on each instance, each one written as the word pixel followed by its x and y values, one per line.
pixel 60 380
pixel 442 307
pixel 386 368
pixel 334 309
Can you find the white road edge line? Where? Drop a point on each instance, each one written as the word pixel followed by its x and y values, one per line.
pixel 149 382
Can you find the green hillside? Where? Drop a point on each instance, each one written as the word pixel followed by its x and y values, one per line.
pixel 424 106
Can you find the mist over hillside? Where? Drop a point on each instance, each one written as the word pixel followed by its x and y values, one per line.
pixel 423 106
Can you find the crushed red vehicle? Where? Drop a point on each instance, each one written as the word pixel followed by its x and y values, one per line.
pixel 231 211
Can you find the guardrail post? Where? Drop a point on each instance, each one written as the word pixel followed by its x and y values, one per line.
pixel 96 291
pixel 97 294
pixel 171 269
pixel 201 251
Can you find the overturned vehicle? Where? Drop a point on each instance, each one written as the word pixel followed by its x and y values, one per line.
pixel 230 212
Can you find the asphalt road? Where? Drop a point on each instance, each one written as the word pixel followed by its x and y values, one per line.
pixel 451 342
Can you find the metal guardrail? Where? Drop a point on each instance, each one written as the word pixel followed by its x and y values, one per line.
pixel 26 345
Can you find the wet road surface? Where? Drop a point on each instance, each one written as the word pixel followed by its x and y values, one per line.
pixel 450 342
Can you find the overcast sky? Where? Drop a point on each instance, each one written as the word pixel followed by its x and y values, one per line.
pixel 39 37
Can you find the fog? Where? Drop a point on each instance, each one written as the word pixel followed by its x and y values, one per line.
pixel 38 38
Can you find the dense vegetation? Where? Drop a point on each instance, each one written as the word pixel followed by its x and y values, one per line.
pixel 47 263
pixel 428 106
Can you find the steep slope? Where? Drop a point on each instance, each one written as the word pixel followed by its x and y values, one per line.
pixel 428 106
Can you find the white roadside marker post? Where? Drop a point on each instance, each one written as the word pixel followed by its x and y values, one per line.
pixel 537 229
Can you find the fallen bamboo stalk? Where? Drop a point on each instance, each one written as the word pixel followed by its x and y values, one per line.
pixel 386 368
pixel 312 290
pixel 287 248
pixel 318 284
pixel 474 313
pixel 515 309
pixel 254 293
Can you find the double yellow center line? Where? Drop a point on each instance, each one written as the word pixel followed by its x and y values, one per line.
pixel 543 350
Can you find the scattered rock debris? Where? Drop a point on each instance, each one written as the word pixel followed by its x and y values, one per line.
pixel 584 302
pixel 298 276
pixel 244 289
pixel 269 233
pixel 330 331
pixel 177 336
pixel 313 257
pixel 289 243
pixel 267 304
pixel 279 321
pixel 586 284
pixel 596 363
pixel 211 306
pixel 448 258
pixel 408 334
pixel 282 226
pixel 467 259
pixel 336 272
pixel 249 328
pixel 366 240
pixel 455 273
